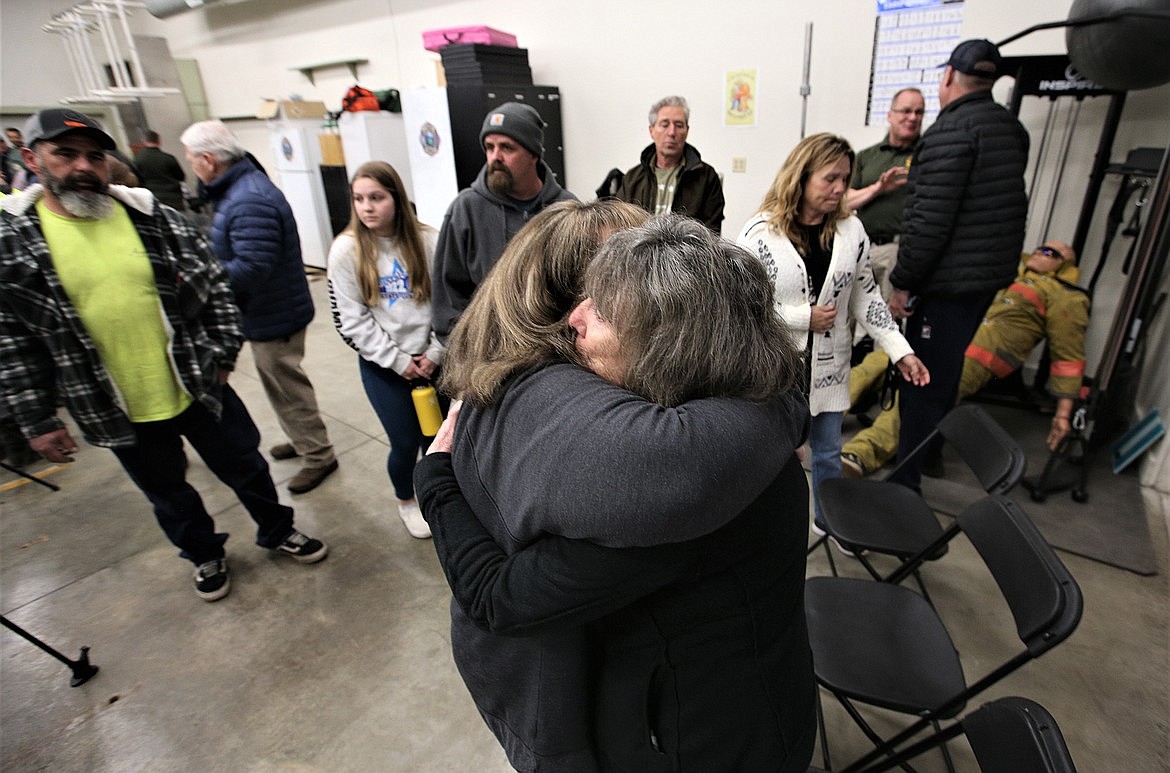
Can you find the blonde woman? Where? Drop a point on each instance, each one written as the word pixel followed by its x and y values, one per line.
pixel 817 255
pixel 380 293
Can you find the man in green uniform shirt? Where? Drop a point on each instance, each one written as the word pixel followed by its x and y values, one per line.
pixel 878 191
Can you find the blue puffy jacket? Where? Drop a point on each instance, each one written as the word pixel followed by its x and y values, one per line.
pixel 255 236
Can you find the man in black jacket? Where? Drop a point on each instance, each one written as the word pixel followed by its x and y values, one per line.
pixel 962 231
pixel 160 172
pixel 672 176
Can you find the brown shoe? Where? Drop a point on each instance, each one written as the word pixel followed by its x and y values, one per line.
pixel 310 478
pixel 283 451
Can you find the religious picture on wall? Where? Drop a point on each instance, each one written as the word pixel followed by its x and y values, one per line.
pixel 740 98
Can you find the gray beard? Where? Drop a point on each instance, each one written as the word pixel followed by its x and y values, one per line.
pixel 86 204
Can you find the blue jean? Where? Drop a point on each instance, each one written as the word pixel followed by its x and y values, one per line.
pixel 824 439
pixel 389 394
pixel 230 448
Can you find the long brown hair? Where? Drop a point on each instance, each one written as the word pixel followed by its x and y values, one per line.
pixel 782 201
pixel 518 316
pixel 407 237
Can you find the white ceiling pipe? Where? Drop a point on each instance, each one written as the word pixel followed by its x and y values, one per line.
pixel 163 9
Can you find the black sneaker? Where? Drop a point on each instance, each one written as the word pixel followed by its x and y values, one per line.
pixel 211 580
pixel 303 548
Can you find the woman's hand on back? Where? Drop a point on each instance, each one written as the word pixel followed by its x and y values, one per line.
pixel 446 435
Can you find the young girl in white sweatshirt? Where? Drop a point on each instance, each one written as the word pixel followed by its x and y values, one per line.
pixel 380 294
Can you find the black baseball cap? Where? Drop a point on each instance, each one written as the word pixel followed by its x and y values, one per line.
pixel 52 123
pixel 977 57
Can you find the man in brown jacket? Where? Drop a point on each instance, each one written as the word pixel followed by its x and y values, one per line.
pixel 671 176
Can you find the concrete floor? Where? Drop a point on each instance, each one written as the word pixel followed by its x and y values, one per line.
pixel 345 665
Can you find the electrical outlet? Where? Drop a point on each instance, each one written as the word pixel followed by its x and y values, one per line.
pixel 739 164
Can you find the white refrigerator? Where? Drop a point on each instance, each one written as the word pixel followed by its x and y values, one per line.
pixel 368 135
pixel 298 165
pixel 427 124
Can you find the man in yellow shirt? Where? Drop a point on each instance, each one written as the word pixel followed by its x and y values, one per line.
pixel 111 304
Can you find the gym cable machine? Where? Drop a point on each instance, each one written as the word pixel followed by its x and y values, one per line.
pixel 1118 44
pixel 1105 395
pixel 1054 77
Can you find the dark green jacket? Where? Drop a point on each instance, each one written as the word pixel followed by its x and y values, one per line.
pixel 161 175
pixel 699 193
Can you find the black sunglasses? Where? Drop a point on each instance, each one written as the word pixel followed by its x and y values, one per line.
pixel 1049 252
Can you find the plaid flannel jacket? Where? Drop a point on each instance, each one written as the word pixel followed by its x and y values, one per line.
pixel 46 356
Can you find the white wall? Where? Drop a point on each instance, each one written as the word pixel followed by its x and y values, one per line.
pixel 611 59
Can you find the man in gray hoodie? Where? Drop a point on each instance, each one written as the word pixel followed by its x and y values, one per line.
pixel 514 185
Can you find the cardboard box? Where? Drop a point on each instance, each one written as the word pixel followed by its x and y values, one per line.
pixel 290 109
pixel 332 154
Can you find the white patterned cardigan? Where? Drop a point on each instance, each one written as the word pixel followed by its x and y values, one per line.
pixel 849 286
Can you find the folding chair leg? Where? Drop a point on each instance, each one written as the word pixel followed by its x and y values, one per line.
pixel 874 573
pixel 870 733
pixel 823 542
pixel 942 747
pixel 26 474
pixel 922 587
pixel 829 555
pixel 824 736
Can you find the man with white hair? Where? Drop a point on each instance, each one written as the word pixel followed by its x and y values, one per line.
pixel 672 176
pixel 111 303
pixel 254 235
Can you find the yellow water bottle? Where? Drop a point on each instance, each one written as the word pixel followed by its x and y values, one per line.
pixel 426 405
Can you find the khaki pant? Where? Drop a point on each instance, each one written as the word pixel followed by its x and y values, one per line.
pixel 877 444
pixel 883 257
pixel 292 397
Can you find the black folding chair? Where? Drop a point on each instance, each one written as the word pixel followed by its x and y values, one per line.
pixel 882 644
pixel 1010 734
pixel 890 519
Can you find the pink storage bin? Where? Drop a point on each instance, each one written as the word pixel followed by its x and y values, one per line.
pixel 433 40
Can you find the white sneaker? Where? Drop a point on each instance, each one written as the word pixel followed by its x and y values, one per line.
pixel 817 530
pixel 413 520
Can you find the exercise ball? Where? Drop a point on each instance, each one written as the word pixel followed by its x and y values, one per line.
pixel 1132 52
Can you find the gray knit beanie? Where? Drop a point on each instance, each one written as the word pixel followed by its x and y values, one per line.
pixel 519 121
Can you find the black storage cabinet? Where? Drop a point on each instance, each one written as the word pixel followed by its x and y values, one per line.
pixel 480 78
